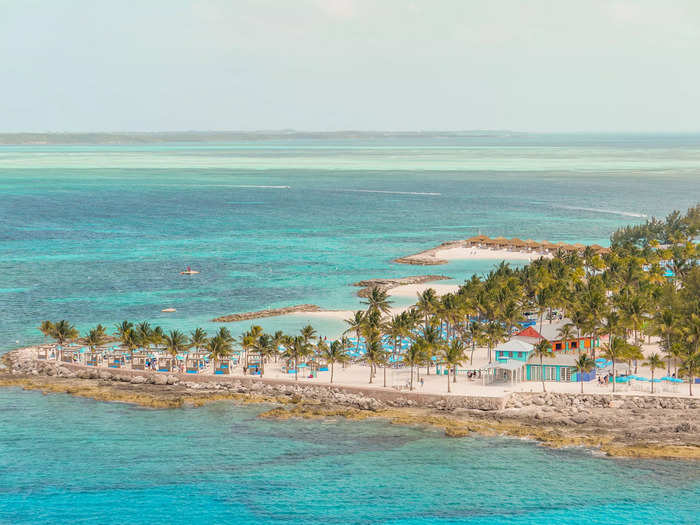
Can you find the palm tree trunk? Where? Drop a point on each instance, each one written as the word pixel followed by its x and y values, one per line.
pixel 613 374
pixel 370 374
pixel 411 378
pixel 652 379
pixel 449 387
pixel 384 376
pixel 581 379
pixel 332 363
pixel 542 371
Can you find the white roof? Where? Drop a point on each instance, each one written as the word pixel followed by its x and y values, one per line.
pixel 511 364
pixel 515 345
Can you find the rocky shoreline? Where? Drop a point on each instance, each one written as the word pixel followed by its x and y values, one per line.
pixel 272 312
pixel 388 284
pixel 617 425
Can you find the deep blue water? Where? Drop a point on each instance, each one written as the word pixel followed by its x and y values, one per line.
pixel 99 233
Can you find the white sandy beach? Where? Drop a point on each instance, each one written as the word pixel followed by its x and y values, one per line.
pixel 464 253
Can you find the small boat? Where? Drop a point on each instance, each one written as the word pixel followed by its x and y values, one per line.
pixel 168 310
pixel 189 272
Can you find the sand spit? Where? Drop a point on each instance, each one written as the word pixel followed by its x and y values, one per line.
pixel 619 425
pixel 272 312
pixel 461 250
pixel 388 284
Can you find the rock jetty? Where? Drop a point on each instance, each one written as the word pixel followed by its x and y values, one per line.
pixel 427 257
pixel 388 284
pixel 272 312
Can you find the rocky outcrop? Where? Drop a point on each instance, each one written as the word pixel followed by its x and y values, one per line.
pixel 388 284
pixel 272 312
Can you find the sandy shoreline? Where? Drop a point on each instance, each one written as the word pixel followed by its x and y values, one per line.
pixel 459 250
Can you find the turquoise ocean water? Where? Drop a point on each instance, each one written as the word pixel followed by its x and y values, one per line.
pixel 100 233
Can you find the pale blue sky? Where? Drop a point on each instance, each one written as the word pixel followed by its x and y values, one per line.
pixel 535 65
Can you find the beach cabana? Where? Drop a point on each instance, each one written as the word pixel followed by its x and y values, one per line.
pixel 195 364
pixel 93 358
pixel 139 362
pixel 70 356
pixel 532 246
pixel 548 246
pixel 510 371
pixel 222 366
pixel 501 242
pixel 477 240
pixel 43 353
pixel 516 244
pixel 115 360
pixel 489 243
pixel 166 364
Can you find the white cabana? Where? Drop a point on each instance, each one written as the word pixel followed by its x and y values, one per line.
pixel 509 371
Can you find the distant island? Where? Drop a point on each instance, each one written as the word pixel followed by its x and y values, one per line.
pixel 156 137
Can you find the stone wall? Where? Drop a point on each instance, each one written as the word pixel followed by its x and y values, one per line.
pixel 617 400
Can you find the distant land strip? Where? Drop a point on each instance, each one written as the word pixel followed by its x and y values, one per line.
pixel 388 284
pixel 224 136
pixel 271 312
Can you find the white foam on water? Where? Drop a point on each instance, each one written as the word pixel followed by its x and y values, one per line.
pixel 599 210
pixel 394 192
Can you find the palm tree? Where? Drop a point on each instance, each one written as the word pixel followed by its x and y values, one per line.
pixel 654 361
pixel 46 328
pixel 218 347
pixel 690 366
pixel 432 341
pixel 665 326
pixel 122 328
pixel 296 348
pixel 94 338
pixel 64 331
pixel 583 364
pixel 378 300
pixel 453 355
pixel 264 346
pixel 337 352
pixel 476 335
pixel 541 350
pixel 414 356
pixel 308 333
pixel 355 324
pixel 565 334
pixel 427 304
pixel 157 336
pixel 143 333
pixel 614 350
pixel 198 338
pixel 494 334
pixel 374 355
pixel 175 342
pixel 130 340
pixel 277 340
